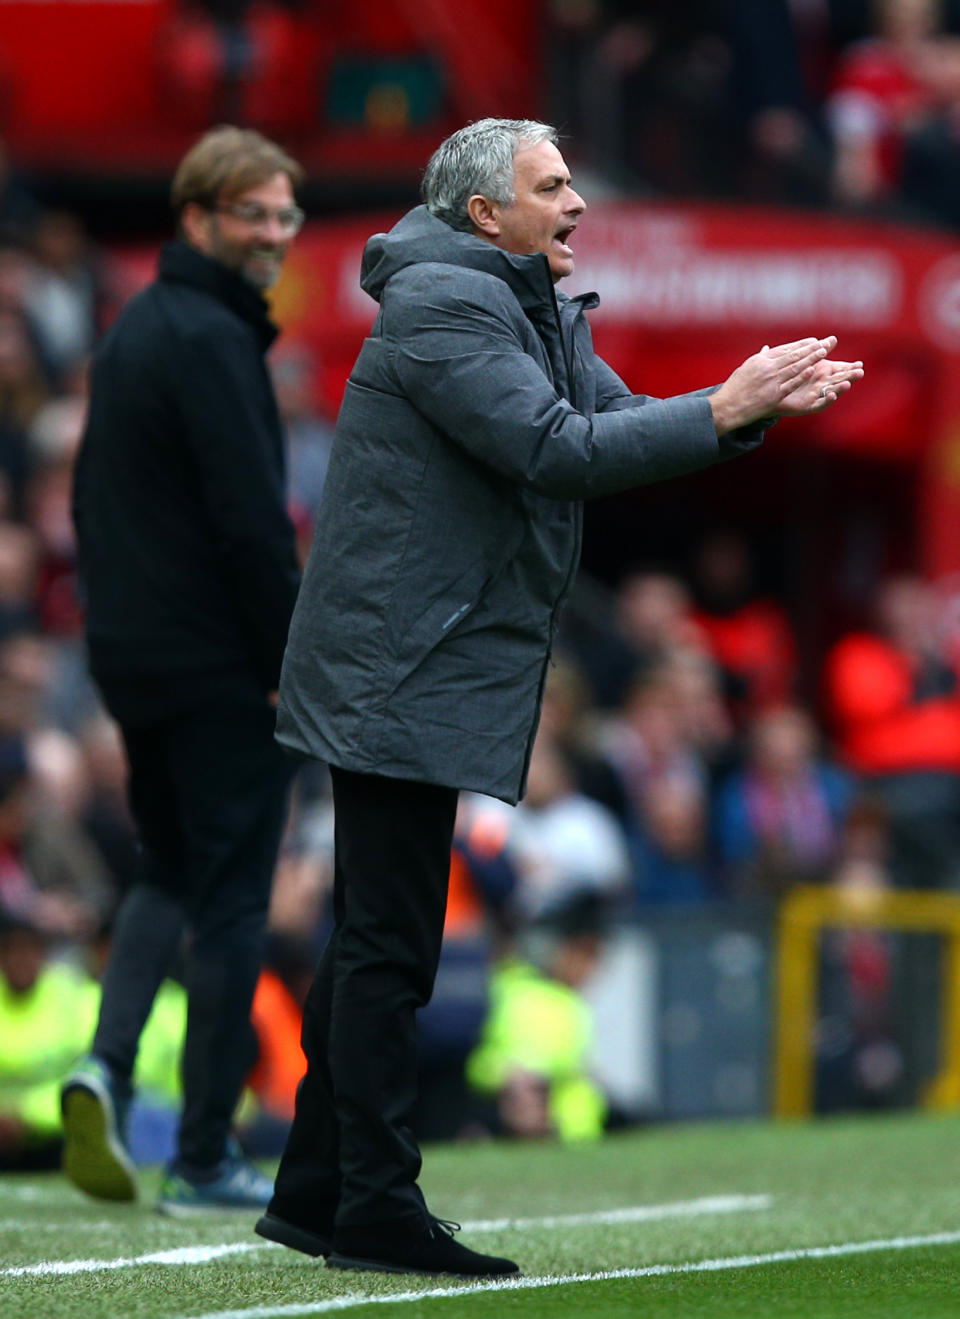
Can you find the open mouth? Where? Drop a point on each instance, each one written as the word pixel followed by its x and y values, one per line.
pixel 563 236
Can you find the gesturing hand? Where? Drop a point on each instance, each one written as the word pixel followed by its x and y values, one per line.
pixel 824 386
pixel 787 380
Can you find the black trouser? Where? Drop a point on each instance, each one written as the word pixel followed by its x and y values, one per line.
pixel 351 1154
pixel 208 787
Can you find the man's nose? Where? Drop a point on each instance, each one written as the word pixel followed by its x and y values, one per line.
pixel 274 231
pixel 575 203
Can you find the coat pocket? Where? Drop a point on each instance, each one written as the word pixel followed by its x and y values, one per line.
pixel 452 606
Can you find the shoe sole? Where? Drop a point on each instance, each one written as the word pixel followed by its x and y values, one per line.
pixel 337 1261
pixel 297 1238
pixel 94 1159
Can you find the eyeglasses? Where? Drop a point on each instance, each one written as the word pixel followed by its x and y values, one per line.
pixel 289 218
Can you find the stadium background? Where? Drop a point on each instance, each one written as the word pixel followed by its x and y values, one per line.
pixel 758 681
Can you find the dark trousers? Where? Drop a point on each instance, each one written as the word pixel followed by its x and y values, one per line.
pixel 208 787
pixel 352 1156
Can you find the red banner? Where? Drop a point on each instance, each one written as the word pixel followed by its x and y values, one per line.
pixel 687 293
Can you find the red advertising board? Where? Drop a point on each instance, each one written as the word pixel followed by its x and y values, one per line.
pixel 687 293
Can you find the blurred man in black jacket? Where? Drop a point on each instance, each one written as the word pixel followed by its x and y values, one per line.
pixel 188 562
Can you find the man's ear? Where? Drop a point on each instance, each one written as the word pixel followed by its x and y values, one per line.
pixel 484 216
pixel 195 225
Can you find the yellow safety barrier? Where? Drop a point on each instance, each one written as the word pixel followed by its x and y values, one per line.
pixel 804 914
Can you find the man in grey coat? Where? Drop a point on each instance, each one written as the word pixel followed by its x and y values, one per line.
pixel 476 420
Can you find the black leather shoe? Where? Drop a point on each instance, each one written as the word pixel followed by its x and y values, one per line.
pixel 275 1228
pixel 413 1245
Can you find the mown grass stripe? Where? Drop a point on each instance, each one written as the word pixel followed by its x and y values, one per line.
pixel 526 1284
pixel 712 1204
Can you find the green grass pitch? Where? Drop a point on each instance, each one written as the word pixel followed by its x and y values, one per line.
pixel 855 1217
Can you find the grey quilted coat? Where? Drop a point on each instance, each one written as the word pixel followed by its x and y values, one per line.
pixel 476 420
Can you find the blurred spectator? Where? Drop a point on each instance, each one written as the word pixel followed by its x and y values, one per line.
pixel 784 157
pixel 893 697
pixel 483 874
pixel 748 635
pixel 559 841
pixel 709 99
pixel 41 685
pixel 860 1063
pixel 206 57
pixel 568 719
pixel 648 742
pixel 62 295
pixel 309 435
pixel 303 879
pixel 26 674
pixel 46 1010
pixel 233 61
pixel 931 158
pixel 276 1016
pixel 16 268
pixel 654 613
pixel 47 507
pixel 569 31
pixel 697 693
pixel 670 849
pixel 779 820
pixel 57 429
pixel 655 95
pixel 19 566
pixel 57 770
pixel 651 621
pixel 50 874
pixel 532 1060
pixel 881 92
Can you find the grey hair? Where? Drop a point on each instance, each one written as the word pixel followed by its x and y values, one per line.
pixel 478 159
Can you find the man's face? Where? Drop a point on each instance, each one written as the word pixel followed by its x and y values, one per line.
pixel 254 248
pixel 546 210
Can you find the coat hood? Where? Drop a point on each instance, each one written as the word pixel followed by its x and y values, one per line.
pixel 420 237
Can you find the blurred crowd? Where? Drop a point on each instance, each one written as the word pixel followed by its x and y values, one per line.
pixel 682 760
pixel 67 843
pixel 849 103
pixel 676 767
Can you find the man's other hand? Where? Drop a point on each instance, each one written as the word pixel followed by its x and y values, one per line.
pixel 829 380
pixel 787 380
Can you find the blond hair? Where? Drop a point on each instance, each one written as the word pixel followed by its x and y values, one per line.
pixel 226 162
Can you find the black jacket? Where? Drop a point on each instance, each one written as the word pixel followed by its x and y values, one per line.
pixel 187 555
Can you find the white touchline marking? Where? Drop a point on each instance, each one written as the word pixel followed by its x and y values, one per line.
pixel 711 1204
pixel 87 1225
pixel 177 1255
pixel 651 1271
pixel 708 1204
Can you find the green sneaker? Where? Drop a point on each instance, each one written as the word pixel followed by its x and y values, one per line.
pixel 95 1110
pixel 237 1185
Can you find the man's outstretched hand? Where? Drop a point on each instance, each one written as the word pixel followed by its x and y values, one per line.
pixel 827 383
pixel 788 380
